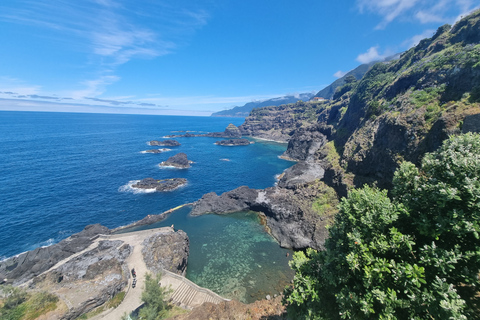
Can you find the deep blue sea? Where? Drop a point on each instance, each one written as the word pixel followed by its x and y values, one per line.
pixel 62 171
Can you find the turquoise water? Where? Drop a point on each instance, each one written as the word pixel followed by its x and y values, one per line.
pixel 63 171
pixel 232 254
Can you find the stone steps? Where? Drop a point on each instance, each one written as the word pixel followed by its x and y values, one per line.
pixel 187 294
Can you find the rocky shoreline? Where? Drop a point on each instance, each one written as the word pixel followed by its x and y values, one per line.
pixel 234 142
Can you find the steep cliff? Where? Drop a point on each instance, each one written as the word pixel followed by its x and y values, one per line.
pixel 398 111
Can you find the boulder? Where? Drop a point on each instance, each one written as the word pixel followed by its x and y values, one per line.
pixel 166 250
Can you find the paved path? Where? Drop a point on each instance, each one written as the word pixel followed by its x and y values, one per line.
pixel 185 294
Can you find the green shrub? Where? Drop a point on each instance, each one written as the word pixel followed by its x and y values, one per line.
pixel 415 256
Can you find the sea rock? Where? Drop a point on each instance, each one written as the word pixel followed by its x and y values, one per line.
pixel 90 279
pixel 234 142
pixel 23 267
pixel 166 250
pixel 168 143
pixel 157 150
pixel 179 160
pixel 231 131
pixel 160 185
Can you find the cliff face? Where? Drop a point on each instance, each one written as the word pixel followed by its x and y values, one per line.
pixel 398 111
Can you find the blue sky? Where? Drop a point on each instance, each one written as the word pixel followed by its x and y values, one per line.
pixel 196 57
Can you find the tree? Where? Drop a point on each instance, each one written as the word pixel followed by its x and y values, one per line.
pixel 154 298
pixel 413 257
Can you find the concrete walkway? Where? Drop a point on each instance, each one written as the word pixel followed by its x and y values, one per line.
pixel 186 294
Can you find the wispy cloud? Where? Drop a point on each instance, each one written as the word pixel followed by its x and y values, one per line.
pixel 93 88
pixel 422 11
pixel 109 32
pixel 413 41
pixel 339 74
pixel 388 9
pixel 371 55
pixel 16 86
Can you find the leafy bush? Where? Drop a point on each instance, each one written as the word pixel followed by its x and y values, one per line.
pixel 154 297
pixel 415 256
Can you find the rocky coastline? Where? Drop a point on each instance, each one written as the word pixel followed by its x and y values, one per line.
pixel 92 266
pixel 234 142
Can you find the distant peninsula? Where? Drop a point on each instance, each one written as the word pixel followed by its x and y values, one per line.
pixel 234 142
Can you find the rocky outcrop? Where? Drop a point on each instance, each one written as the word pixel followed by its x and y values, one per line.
pixel 90 279
pixel 167 143
pixel 179 161
pixel 160 185
pixel 156 150
pixel 23 267
pixel 166 250
pixel 231 131
pixel 304 143
pixel 301 173
pixel 234 142
pixel 289 217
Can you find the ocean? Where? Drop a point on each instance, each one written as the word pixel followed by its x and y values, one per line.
pixel 62 171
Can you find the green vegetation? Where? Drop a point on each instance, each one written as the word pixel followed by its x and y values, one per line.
pixel 155 302
pixel 17 304
pixel 413 256
pixel 112 303
pixel 326 204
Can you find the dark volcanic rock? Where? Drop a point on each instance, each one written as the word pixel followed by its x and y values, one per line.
pixel 290 221
pixel 27 265
pixel 179 160
pixel 301 173
pixel 168 143
pixel 166 250
pixel 304 143
pixel 160 185
pixel 90 279
pixel 234 142
pixel 157 150
pixel 231 131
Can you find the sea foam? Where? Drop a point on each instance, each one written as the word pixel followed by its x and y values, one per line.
pixel 129 188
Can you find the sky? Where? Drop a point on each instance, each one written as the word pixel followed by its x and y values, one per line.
pixel 195 57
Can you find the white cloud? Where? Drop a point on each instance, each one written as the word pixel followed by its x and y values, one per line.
pixel 423 11
pixel 371 55
pixel 94 88
pixel 389 9
pixel 109 31
pixel 17 86
pixel 413 41
pixel 339 74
